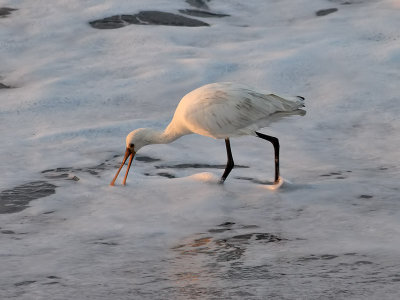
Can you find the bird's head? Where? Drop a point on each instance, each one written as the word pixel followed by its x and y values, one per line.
pixel 138 138
pixel 134 141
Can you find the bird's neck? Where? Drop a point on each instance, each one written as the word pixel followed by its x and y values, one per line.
pixel 164 137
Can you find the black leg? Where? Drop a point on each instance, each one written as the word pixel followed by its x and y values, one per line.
pixel 230 164
pixel 275 143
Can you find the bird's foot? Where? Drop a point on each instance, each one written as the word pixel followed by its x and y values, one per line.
pixel 221 181
pixel 275 185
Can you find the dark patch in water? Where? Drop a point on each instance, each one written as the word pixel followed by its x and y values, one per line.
pixel 338 174
pixel 225 249
pixel 51 282
pixel 26 282
pixel 227 224
pixel 324 12
pixel 106 243
pixel 317 257
pixel 3 86
pixel 331 174
pixel 7 232
pixel 53 173
pixel 167 175
pixel 268 237
pixel 267 182
pixel 243 236
pixel 348 2
pixel 365 196
pixel 225 227
pixel 218 230
pixel 5 11
pixel 198 3
pixel 18 198
pixel 363 262
pixel 201 13
pixel 67 172
pixel 146 18
pixel 249 226
pixel 196 166
pixel 146 158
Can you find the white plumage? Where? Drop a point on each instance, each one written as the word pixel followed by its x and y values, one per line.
pixel 225 109
pixel 219 110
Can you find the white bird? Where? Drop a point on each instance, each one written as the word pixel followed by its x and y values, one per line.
pixel 219 110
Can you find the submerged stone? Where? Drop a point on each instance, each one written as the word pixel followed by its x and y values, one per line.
pixel 5 11
pixel 198 3
pixel 18 198
pixel 324 12
pixel 3 86
pixel 145 158
pixel 201 13
pixel 146 18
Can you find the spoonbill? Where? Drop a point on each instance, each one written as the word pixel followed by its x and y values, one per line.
pixel 221 111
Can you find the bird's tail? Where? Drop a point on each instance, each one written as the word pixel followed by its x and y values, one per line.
pixel 290 102
pixel 298 101
pixel 302 99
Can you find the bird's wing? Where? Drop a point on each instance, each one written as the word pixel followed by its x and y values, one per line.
pixel 220 114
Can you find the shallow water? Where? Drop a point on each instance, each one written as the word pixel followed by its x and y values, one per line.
pixel 70 93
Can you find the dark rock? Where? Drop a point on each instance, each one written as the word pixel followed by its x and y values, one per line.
pixel 108 23
pixel 201 13
pixel 18 198
pixel 365 196
pixel 198 3
pixel 218 230
pixel 328 256
pixel 268 237
pixel 5 11
pixel 324 12
pixel 146 18
pixel 167 175
pixel 163 18
pixel 243 236
pixel 3 86
pixel 227 224
pixel 146 158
